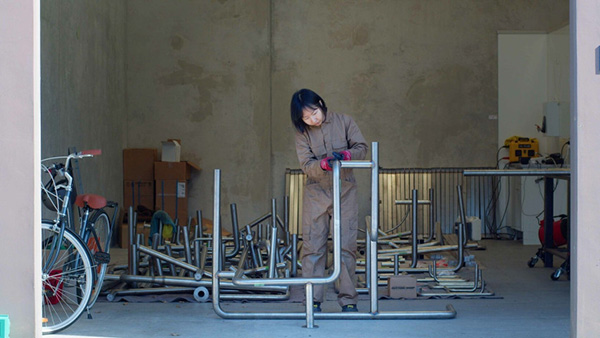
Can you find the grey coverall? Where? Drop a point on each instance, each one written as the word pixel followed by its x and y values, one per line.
pixel 338 132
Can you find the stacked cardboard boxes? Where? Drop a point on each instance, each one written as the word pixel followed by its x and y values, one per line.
pixel 138 178
pixel 171 180
pixel 150 185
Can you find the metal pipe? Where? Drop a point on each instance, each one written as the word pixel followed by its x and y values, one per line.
pixel 310 318
pixel 186 245
pixel 519 172
pixel 157 264
pixel 286 219
pixel 203 258
pixel 111 296
pixel 368 244
pixel 337 246
pixel 148 251
pixel 410 202
pixel 171 265
pixel 236 232
pixel 294 255
pixel 461 211
pixel 415 235
pixel 197 250
pixel 190 282
pixel 260 219
pixel 273 247
pixel 200 230
pixel 374 165
pixel 431 216
pixel 373 273
pixel 447 314
pixel 131 240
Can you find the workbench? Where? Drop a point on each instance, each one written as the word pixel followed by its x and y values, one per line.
pixel 549 176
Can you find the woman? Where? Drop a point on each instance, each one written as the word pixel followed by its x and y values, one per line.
pixel 322 136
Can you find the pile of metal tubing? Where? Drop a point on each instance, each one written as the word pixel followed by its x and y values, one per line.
pixel 182 264
pixel 237 276
pixel 259 260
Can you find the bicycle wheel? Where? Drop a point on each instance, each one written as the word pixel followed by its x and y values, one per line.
pixel 98 240
pixel 67 278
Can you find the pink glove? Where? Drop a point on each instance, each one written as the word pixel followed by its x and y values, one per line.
pixel 325 163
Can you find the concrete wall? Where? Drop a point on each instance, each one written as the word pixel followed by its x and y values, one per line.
pixel 83 87
pixel 199 71
pixel 419 77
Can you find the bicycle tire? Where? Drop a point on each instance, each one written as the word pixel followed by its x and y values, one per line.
pixel 67 284
pixel 100 222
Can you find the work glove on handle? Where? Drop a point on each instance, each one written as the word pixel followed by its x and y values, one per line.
pixel 326 163
pixel 341 156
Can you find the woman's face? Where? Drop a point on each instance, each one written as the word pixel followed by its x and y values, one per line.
pixel 312 116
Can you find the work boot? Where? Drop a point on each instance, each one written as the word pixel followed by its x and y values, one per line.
pixel 350 308
pixel 317 307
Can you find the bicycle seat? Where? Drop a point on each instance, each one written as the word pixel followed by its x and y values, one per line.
pixel 91 200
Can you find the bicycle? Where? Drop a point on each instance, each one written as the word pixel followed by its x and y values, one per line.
pixel 73 263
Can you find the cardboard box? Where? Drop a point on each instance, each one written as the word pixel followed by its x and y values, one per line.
pixel 138 164
pixel 138 193
pixel 171 196
pixel 402 286
pixel 174 170
pixel 171 151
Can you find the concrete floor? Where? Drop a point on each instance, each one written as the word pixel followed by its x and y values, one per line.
pixel 532 305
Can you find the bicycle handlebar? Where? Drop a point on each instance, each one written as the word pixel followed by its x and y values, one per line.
pixel 92 152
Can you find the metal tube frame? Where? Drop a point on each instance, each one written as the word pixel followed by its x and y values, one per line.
pixel 309 315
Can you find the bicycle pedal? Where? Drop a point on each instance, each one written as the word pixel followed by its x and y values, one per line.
pixel 102 257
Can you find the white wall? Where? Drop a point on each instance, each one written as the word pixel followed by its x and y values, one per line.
pixel 585 121
pixel 533 68
pixel 20 283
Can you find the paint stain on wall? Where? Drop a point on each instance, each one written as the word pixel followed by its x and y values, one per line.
pixel 176 42
pixel 189 74
pixel 441 112
pixel 348 37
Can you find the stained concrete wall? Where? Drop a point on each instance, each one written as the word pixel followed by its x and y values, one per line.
pixel 419 77
pixel 199 71
pixel 83 87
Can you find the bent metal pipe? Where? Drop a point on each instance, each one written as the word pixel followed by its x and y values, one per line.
pixel 309 315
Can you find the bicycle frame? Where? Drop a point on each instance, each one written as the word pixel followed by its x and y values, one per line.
pixel 61 216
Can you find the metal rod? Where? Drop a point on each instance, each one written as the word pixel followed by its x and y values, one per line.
pixel 310 315
pixel 157 264
pixel 131 240
pixel 337 246
pixel 190 282
pixel 273 248
pixel 415 235
pixel 200 230
pixel 519 172
pixel 171 265
pixel 169 259
pixel 235 230
pixel 294 255
pixel 431 216
pixel 186 244
pixel 374 314
pixel 410 202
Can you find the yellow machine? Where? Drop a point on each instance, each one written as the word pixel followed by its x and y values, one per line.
pixel 521 149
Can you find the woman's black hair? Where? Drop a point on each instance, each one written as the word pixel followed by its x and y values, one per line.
pixel 305 98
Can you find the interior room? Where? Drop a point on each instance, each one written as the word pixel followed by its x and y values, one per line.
pixel 472 118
